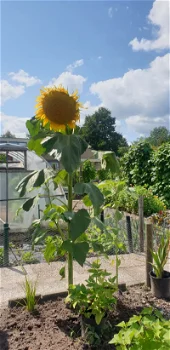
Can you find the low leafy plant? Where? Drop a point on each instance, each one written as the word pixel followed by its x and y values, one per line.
pixel 149 330
pixel 53 248
pixel 128 201
pixel 97 338
pixel 161 219
pixel 28 258
pixel 95 298
pixel 161 256
pixel 1 256
pixel 30 294
pixel 104 174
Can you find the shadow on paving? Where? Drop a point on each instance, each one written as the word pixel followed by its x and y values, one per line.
pixel 4 340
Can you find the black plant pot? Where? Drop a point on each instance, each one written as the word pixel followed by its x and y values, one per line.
pixel 160 287
pixel 86 322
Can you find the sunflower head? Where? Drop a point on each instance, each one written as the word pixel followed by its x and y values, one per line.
pixel 58 108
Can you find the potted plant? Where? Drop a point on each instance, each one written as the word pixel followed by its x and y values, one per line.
pixel 160 279
pixel 95 299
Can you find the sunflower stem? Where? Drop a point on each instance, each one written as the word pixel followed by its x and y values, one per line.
pixel 70 255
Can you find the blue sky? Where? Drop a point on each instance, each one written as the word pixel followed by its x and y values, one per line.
pixel 89 45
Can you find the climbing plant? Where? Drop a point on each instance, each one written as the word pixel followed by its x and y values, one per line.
pixel 137 164
pixel 161 172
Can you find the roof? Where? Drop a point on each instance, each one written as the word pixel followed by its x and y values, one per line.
pixel 11 147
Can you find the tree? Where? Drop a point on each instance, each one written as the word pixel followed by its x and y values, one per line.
pixel 122 150
pixel 99 132
pixel 158 136
pixel 9 135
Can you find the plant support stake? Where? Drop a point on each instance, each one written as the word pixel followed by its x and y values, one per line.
pixel 6 244
pixel 129 234
pixel 141 223
pixel 70 255
pixel 149 248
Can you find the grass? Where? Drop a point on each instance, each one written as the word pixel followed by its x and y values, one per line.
pixel 30 294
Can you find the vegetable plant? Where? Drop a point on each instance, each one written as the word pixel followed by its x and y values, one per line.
pixel 106 242
pixel 149 330
pixel 28 258
pixel 95 298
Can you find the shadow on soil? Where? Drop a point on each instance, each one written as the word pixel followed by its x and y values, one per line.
pixel 72 325
pixel 4 341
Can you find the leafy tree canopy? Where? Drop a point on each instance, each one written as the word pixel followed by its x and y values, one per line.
pixel 8 134
pixel 99 132
pixel 158 136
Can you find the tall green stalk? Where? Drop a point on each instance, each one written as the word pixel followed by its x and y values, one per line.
pixel 70 255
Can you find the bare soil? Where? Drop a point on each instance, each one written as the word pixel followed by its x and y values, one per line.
pixel 55 327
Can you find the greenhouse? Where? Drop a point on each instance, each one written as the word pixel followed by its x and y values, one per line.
pixel 15 163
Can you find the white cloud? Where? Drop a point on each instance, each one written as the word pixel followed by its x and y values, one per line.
pixel 141 92
pixel 69 81
pixel 159 18
pixel 74 65
pixel 144 124
pixel 9 91
pixel 23 77
pixel 14 124
pixel 110 12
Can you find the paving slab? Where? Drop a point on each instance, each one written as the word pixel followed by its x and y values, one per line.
pixel 131 271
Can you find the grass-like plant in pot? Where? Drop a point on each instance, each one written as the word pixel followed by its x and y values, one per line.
pixel 160 278
pixel 95 299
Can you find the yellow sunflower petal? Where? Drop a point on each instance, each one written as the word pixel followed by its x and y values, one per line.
pixel 56 106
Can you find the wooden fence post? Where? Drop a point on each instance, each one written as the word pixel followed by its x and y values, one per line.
pixel 129 233
pixel 149 247
pixel 141 223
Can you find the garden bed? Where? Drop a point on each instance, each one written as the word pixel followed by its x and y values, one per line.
pixel 56 327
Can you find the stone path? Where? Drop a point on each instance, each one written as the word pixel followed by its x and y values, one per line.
pixel 131 272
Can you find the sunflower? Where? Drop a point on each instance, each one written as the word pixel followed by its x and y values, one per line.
pixel 58 108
